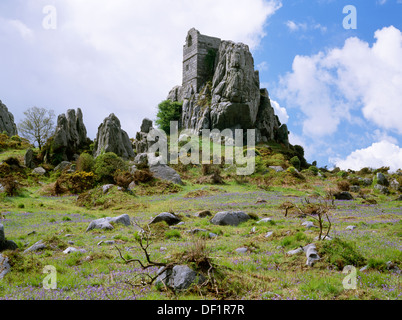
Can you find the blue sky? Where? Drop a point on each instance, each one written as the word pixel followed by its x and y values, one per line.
pixel 339 91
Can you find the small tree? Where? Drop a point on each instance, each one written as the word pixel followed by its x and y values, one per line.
pixel 37 126
pixel 168 111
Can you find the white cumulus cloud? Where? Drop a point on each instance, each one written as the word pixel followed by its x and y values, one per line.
pixel 328 86
pixel 379 154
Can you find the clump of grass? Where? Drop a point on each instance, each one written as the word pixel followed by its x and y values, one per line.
pixel 170 234
pixel 341 254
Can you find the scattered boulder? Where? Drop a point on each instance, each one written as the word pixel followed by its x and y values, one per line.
pixel 265 220
pixel 168 217
pixel 203 214
pixel 29 159
pixel 4 265
pixel 351 228
pixel 179 278
pixel 106 188
pixel 309 224
pixel 7 123
pixel 344 195
pixel 382 180
pixel 366 181
pixel 295 251
pixel 242 250
pixel 382 189
pixel 231 218
pixel 323 237
pixel 311 254
pixel 131 186
pixel 72 249
pixel 141 159
pixel 164 172
pixel 40 245
pixel 4 243
pixel 106 223
pixel 269 234
pixel 394 184
pixel 355 189
pixel 111 138
pixel 277 168
pixel 39 171
pixel 62 165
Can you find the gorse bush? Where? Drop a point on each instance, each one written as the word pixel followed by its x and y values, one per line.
pixel 123 178
pixel 106 166
pixel 76 183
pixel 343 185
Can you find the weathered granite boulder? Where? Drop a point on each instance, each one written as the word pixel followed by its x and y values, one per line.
pixel 4 243
pixel 111 138
pixel 29 159
pixel 141 159
pixel 7 123
pixel 382 180
pixel 62 165
pixel 344 195
pixel 382 189
pixel 106 223
pixel 4 266
pixel 231 218
pixel 311 254
pixel 70 135
pixel 168 217
pixel 179 278
pixel 203 214
pixel 39 171
pixel 40 245
pixel 164 172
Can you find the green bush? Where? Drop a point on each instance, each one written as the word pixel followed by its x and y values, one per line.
pixel 341 254
pixel 314 170
pixel 168 111
pixel 106 165
pixel 172 234
pixel 295 162
pixel 85 162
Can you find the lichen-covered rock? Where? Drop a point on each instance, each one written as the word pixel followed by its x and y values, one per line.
pixel 164 172
pixel 39 171
pixel 7 123
pixel 382 180
pixel 168 217
pixel 106 223
pixel 29 159
pixel 180 277
pixel 4 243
pixel 231 218
pixel 4 266
pixel 111 138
